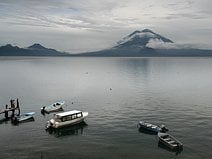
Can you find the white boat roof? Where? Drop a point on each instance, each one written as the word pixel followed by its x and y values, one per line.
pixel 68 113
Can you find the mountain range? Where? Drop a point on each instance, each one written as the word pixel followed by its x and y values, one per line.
pixel 144 43
pixel 33 50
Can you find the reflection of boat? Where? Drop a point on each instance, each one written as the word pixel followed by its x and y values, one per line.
pixel 66 118
pixel 153 129
pixel 4 120
pixel 53 107
pixel 23 117
pixel 170 141
pixel 76 129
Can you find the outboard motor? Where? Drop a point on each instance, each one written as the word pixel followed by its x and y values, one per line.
pixel 43 110
pixel 163 128
pixel 48 125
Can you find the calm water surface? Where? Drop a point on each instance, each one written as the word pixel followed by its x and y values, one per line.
pixel 174 91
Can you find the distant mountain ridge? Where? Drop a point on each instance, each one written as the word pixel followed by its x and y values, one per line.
pixel 146 43
pixel 33 50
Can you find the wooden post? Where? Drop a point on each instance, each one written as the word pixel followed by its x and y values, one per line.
pixel 6 112
pixel 13 113
pixel 18 107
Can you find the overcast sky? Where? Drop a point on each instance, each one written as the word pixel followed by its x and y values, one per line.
pixel 86 25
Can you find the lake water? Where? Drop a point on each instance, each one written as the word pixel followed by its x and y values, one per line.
pixel 176 92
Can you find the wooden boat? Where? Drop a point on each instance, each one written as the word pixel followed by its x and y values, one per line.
pixel 151 127
pixel 169 141
pixel 23 117
pixel 66 119
pixel 53 107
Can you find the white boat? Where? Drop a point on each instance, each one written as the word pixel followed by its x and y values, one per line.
pixel 23 117
pixel 53 107
pixel 169 141
pixel 66 119
pixel 151 127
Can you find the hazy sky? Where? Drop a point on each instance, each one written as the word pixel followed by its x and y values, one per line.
pixel 85 25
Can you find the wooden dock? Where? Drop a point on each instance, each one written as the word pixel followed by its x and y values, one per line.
pixel 13 110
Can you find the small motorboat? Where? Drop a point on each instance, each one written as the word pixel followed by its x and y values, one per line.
pixel 53 107
pixel 66 119
pixel 151 127
pixel 170 141
pixel 23 117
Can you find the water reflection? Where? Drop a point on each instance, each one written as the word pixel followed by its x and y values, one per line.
pixel 138 69
pixel 71 130
pixel 15 122
pixel 4 121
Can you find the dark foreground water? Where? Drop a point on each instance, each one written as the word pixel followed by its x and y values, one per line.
pixel 174 91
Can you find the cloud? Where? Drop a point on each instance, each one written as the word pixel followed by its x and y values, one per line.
pixel 95 14
pixel 159 44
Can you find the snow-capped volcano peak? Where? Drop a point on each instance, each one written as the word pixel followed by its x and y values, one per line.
pixel 143 32
pixel 141 38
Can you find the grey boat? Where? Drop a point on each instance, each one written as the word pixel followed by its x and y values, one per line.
pixel 170 141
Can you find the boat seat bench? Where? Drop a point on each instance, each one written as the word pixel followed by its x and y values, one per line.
pixel 167 139
pixel 175 145
pixel 171 142
pixel 149 125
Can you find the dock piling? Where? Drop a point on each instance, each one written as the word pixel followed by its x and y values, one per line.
pixel 12 109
